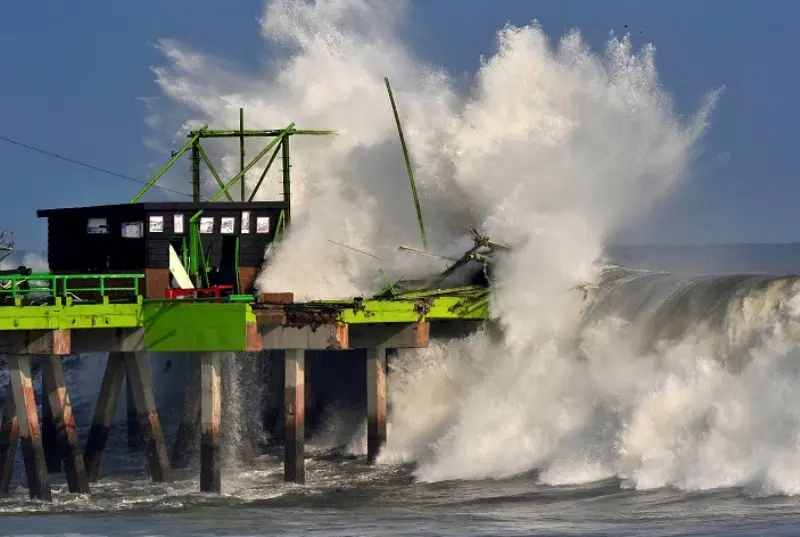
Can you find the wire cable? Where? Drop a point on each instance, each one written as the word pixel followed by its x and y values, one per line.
pixel 86 165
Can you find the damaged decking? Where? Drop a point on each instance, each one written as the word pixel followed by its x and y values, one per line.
pixel 128 331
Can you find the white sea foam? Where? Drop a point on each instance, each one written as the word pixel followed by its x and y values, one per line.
pixel 554 149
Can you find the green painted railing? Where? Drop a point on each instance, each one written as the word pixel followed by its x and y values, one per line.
pixel 59 284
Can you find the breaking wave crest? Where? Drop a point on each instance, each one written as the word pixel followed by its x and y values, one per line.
pixel 683 382
pixel 657 380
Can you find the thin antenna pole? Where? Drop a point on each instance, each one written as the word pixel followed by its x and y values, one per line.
pixel 241 150
pixel 408 166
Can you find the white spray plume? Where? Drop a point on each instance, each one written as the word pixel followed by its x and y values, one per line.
pixel 554 149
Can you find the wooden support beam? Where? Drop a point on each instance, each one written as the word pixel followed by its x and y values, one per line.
pixel 52 453
pixel 187 430
pixel 294 405
pixel 390 335
pixel 138 370
pixel 55 393
pixel 33 342
pixel 325 337
pixel 376 401
pixel 211 417
pixel 19 368
pixel 455 329
pixel 108 340
pixel 9 436
pixel 110 389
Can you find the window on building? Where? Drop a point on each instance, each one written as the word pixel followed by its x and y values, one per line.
pixel 97 226
pixel 207 224
pixel 156 224
pixel 227 225
pixel 132 230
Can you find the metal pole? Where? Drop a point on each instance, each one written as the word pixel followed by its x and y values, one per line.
pixel 287 194
pixel 195 171
pixel 408 166
pixel 175 157
pixel 241 149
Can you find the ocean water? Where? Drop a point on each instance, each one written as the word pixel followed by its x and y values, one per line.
pixel 658 404
pixel 346 496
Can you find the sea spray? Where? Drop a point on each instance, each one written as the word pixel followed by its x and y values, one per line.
pixel 554 150
pixel 242 429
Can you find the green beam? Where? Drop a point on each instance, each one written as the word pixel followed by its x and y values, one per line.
pixel 264 174
pixel 207 160
pixel 446 308
pixel 287 194
pixel 77 316
pixel 253 162
pixel 169 164
pixel 241 150
pixel 195 158
pixel 279 226
pixel 408 166
pixel 251 133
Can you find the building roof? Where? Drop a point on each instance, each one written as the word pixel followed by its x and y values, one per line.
pixel 165 206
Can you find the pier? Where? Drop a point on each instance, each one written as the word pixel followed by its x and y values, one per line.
pixel 128 331
pixel 138 278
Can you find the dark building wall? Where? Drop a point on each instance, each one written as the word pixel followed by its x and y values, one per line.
pixel 72 248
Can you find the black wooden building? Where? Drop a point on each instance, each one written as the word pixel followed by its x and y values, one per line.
pixel 135 238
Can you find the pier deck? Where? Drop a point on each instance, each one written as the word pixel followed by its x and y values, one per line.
pixel 48 322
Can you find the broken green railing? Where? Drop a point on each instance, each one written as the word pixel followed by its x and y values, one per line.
pixel 18 286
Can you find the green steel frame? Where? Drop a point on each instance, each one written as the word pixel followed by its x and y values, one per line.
pixel 193 260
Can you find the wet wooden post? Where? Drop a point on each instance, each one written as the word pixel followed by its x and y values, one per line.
pixel 55 392
pixel 49 435
pixel 138 369
pixel 294 401
pixel 187 430
pixel 211 417
pixel 19 368
pixel 110 389
pixel 9 436
pixel 376 401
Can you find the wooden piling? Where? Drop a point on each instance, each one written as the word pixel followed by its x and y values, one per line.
pixel 294 405
pixel 138 370
pixel 211 417
pixel 9 436
pixel 376 401
pixel 52 453
pixel 30 434
pixel 110 389
pixel 187 429
pixel 55 393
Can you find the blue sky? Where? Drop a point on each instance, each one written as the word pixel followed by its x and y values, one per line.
pixel 75 73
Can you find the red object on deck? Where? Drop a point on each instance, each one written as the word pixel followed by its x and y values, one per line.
pixel 203 292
